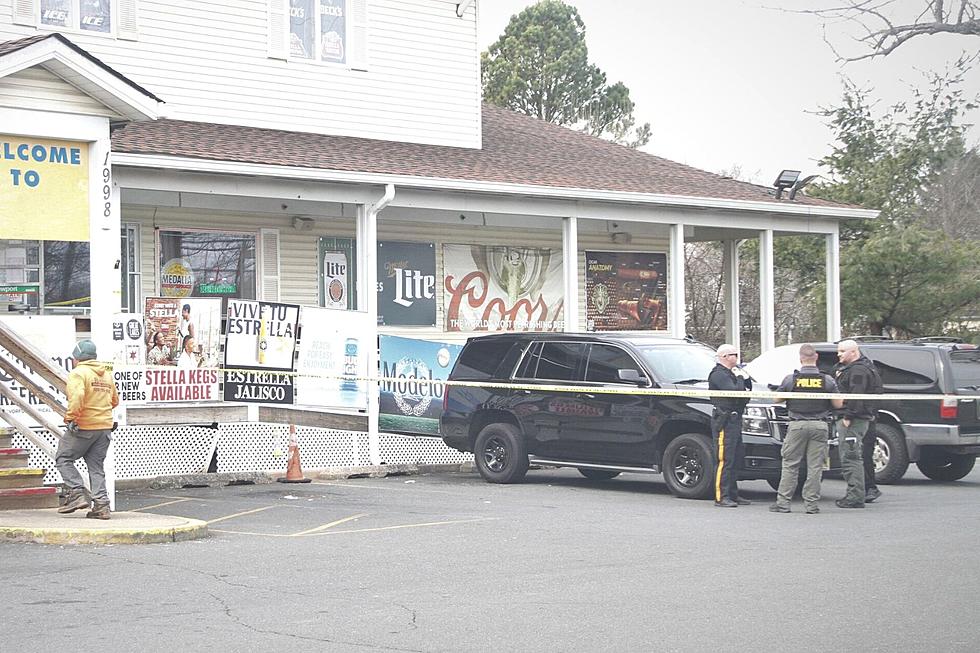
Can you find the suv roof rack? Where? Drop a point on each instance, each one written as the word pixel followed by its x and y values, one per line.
pixel 950 339
pixel 870 338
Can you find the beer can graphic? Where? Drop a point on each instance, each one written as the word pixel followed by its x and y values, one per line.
pixel 348 381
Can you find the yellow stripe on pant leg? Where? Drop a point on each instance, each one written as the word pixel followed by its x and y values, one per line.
pixel 721 463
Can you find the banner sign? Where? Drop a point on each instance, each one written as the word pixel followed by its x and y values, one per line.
pixel 182 333
pixel 413 402
pixel 332 363
pixel 55 336
pixel 128 357
pixel 497 288
pixel 47 180
pixel 626 291
pixel 406 284
pixel 260 336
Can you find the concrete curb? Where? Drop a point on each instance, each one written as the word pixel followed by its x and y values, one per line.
pixel 260 478
pixel 48 527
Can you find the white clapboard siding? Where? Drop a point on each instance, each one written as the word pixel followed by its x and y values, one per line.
pixel 40 90
pixel 416 79
pixel 297 255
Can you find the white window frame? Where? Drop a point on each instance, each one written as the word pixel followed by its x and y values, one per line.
pixel 354 39
pixel 122 19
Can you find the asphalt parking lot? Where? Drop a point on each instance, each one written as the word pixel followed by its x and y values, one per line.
pixel 446 562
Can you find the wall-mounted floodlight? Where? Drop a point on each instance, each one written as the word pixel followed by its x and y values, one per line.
pixel 785 180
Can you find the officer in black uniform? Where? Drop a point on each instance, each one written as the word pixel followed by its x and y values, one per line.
pixel 809 430
pixel 726 427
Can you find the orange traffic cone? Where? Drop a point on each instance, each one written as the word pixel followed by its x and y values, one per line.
pixel 294 471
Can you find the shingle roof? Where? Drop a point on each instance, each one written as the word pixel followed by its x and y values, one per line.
pixel 9 47
pixel 516 149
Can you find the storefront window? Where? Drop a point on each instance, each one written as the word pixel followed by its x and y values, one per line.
pixel 50 276
pixel 207 264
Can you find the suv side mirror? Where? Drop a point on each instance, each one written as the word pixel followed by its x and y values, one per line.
pixel 631 376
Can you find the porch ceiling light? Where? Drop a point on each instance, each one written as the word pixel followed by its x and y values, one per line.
pixel 785 180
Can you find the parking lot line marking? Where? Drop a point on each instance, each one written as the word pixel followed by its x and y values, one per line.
pixel 239 514
pixel 159 505
pixel 355 530
pixel 360 486
pixel 330 525
pixel 400 526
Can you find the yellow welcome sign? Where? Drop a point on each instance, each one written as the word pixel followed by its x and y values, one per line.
pixel 44 189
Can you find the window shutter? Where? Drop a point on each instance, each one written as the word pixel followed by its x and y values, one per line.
pixel 24 12
pixel 358 34
pixel 278 29
pixel 269 242
pixel 127 26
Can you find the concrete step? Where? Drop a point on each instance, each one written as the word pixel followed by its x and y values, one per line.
pixel 28 498
pixel 13 458
pixel 21 477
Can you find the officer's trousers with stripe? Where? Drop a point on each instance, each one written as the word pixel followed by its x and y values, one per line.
pixel 729 451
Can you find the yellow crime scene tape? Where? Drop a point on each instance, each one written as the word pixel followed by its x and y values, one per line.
pixel 663 392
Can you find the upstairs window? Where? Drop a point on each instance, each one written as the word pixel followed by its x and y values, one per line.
pixel 110 17
pixel 88 15
pixel 332 31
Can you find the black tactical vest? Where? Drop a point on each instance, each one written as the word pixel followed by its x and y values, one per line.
pixel 812 408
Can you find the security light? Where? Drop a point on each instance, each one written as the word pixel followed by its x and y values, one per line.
pixel 785 180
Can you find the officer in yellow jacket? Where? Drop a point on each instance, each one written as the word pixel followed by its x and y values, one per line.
pixel 91 397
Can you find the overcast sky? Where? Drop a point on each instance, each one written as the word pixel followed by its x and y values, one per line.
pixel 730 82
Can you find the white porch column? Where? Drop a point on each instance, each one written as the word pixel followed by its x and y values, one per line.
pixel 833 286
pixel 676 303
pixel 767 293
pixel 732 315
pixel 569 247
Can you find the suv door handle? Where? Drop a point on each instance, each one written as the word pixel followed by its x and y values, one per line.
pixel 522 391
pixel 587 395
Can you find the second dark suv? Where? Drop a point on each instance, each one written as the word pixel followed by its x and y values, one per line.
pixel 506 410
pixel 941 436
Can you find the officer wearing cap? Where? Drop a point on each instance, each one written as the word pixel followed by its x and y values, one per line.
pixel 91 397
pixel 726 427
pixel 809 430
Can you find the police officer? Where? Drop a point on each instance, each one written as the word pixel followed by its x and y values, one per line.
pixel 809 430
pixel 854 375
pixel 726 427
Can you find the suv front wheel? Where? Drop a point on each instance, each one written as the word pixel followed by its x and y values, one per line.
pixel 689 466
pixel 500 454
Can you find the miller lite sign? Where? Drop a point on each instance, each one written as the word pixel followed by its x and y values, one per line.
pixel 406 284
pixel 335 280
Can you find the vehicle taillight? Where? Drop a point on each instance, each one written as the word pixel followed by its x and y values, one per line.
pixel 949 407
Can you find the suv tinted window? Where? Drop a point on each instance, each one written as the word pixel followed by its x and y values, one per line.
pixel 604 364
pixel 905 366
pixel 965 366
pixel 480 358
pixel 675 363
pixel 555 361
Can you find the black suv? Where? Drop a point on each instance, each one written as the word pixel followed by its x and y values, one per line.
pixel 512 412
pixel 942 437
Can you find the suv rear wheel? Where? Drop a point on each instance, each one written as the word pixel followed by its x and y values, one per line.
pixel 891 456
pixel 500 454
pixel 943 466
pixel 689 466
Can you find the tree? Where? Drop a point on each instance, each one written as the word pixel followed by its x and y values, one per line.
pixel 540 67
pixel 889 24
pixel 901 274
